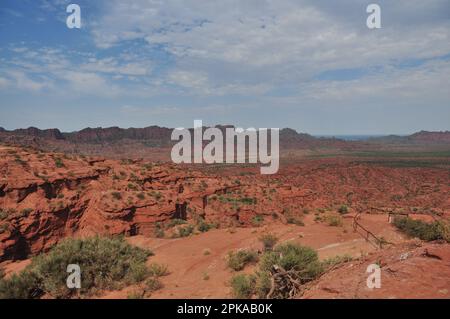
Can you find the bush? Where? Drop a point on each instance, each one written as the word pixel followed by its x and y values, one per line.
pixel 158 270
pixel 25 212
pixel 156 195
pixel 153 284
pixel 242 286
pixel 23 286
pixel 58 162
pixel 105 264
pixel 141 196
pixel 175 222
pixel 303 260
pixel 203 226
pixel 425 231
pixel 269 241
pixel 263 284
pixel 185 231
pixel 295 221
pixel 159 231
pixel 3 214
pixel 136 294
pixel 257 220
pixel 333 220
pixel 238 260
pixel 116 195
pixel 343 210
pixel 333 261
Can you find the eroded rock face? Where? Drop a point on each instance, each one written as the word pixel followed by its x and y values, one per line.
pixel 45 197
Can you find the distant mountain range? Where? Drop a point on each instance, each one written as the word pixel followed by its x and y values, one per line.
pixel 115 141
pixel 150 136
pixel 442 137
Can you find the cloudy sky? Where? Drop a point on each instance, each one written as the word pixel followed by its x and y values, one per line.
pixel 310 65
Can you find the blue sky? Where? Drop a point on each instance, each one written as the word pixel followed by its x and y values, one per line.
pixel 310 65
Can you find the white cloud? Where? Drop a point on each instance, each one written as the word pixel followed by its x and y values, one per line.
pixel 194 80
pixel 112 65
pixel 89 83
pixel 24 82
pixel 425 85
pixel 250 47
pixel 271 33
pixel 3 83
pixel 19 49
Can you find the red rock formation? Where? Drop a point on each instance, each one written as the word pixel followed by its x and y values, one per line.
pixel 45 197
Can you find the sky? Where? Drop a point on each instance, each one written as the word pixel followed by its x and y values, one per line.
pixel 313 66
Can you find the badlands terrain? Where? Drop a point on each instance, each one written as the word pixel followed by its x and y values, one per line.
pixel 338 198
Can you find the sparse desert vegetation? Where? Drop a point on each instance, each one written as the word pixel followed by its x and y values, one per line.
pixel 281 273
pixel 105 264
pixel 437 230
pixel 238 260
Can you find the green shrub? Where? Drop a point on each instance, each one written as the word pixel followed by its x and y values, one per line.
pixel 132 187
pixel 116 195
pixel 59 162
pixel 203 226
pixel 25 212
pixel 243 286
pixel 176 222
pixel 159 231
pixel 269 241
pixel 343 210
pixel 156 195
pixel 333 220
pixel 333 261
pixel 3 214
pixel 263 284
pixel 303 260
pixel 238 260
pixel 257 220
pixel 158 270
pixel 185 231
pixel 295 221
pixel 141 196
pixel 105 264
pixel 249 200
pixel 136 294
pixel 426 231
pixel 23 286
pixel 153 284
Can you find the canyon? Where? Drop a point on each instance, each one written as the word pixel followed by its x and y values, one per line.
pixel 314 199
